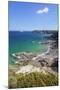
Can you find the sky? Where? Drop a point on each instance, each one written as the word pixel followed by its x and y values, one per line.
pixel 25 16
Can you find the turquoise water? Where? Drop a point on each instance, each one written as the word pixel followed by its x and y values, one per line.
pixel 25 42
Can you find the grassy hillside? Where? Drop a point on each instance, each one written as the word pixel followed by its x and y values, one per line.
pixel 34 79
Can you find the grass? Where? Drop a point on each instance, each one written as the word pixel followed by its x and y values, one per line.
pixel 34 79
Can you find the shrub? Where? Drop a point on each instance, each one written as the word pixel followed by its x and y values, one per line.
pixel 34 79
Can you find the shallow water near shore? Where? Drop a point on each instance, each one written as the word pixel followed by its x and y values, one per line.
pixel 25 42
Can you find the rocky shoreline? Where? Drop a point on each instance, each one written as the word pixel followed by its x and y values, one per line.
pixel 45 62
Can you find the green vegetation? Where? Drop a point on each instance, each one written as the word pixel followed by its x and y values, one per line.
pixel 34 79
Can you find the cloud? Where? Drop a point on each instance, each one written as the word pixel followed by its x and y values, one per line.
pixel 44 10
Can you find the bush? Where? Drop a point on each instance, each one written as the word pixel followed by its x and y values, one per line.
pixel 34 79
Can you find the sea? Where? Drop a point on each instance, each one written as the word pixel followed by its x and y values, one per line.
pixel 25 42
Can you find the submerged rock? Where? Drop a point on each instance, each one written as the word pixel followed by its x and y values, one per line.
pixel 24 56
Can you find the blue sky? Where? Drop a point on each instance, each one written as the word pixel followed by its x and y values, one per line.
pixel 26 16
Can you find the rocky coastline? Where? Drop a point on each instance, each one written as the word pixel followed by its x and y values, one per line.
pixel 45 62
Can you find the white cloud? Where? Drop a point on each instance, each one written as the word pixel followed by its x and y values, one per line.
pixel 44 10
